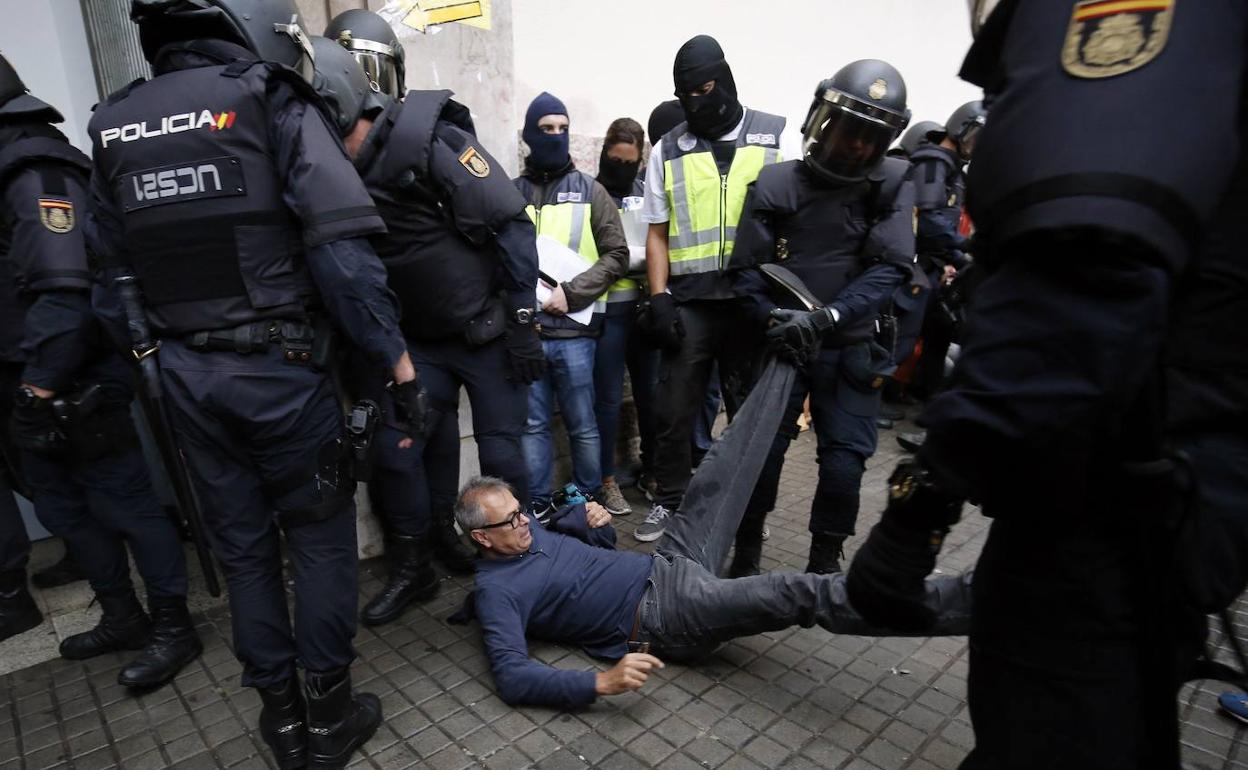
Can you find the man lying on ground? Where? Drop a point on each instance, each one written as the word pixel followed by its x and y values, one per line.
pixel 623 605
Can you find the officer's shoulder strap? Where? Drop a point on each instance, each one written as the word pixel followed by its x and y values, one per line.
pixel 886 181
pixel 415 127
pixel 123 92
pixel 32 149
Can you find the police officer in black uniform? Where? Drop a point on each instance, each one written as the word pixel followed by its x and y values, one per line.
pixel 939 192
pixel 1099 409
pixel 221 185
pixel 842 220
pixel 461 255
pixel 71 410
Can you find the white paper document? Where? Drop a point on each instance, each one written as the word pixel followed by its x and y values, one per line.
pixel 562 264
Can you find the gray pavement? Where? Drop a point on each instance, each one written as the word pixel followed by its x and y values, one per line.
pixel 798 698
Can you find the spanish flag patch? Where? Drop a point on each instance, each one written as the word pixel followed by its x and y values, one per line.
pixel 1112 37
pixel 56 214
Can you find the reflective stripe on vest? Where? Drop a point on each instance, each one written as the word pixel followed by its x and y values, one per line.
pixel 566 219
pixel 706 205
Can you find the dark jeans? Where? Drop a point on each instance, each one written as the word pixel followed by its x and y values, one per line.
pixel 499 406
pixel 715 332
pixel 687 610
pixel 98 507
pixel 569 379
pixel 619 346
pixel 1059 613
pixel 252 427
pixel 845 435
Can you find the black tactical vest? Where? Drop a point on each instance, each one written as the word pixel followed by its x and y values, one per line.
pixel 189 162
pixel 442 277
pixel 820 232
pixel 20 146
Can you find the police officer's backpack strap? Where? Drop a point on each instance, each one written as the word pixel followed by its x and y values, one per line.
pixel 886 180
pixel 413 130
pixel 32 149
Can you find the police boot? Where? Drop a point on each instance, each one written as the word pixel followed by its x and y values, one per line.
pixel 174 644
pixel 748 550
pixel 123 626
pixel 18 612
pixel 448 547
pixel 826 552
pixel 339 721
pixel 411 579
pixel 62 573
pixel 283 723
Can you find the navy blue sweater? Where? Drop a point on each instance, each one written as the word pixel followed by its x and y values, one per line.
pixel 561 590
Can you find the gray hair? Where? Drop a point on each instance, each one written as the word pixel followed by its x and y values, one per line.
pixel 469 511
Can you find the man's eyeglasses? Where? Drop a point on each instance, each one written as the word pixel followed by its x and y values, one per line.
pixel 513 520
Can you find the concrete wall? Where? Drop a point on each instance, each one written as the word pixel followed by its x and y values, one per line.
pixel 47 44
pixel 610 60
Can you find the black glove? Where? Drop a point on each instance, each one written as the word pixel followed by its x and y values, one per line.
pixel 662 327
pixel 34 427
pixel 795 334
pixel 886 582
pixel 411 406
pixel 525 354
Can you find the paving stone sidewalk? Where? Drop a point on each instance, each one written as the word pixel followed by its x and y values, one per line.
pixel 799 698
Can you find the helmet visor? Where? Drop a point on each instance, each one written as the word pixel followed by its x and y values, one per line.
pixel 969 136
pixel 845 144
pixel 380 71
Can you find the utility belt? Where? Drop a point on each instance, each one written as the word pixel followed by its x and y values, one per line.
pixel 309 344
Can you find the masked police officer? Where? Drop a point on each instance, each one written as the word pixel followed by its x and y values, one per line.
pixel 695 185
pixel 1098 409
pixel 223 188
pixel 842 220
pixel 71 412
pixel 460 254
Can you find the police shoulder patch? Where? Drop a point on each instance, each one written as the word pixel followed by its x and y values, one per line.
pixel 57 214
pixel 476 165
pixel 1112 37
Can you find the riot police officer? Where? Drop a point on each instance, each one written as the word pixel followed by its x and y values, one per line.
pixel 939 191
pixel 460 254
pixel 1098 409
pixel 915 137
pixel 841 220
pixel 221 186
pixel 71 411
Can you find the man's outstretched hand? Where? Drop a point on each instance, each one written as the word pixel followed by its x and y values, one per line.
pixel 629 674
pixel 596 516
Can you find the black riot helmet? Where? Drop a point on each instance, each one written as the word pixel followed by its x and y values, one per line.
pixel 916 136
pixel 372 41
pixel 271 29
pixel 964 125
pixel 15 101
pixel 855 116
pixel 340 82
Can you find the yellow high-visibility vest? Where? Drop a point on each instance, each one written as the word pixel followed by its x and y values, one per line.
pixel 565 217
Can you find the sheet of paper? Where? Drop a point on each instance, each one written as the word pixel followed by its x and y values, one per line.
pixel 635 233
pixel 562 264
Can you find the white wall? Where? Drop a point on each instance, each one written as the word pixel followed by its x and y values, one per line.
pixel 46 42
pixel 614 59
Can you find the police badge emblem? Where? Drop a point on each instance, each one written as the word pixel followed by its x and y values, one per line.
pixel 476 165
pixel 56 214
pixel 1112 37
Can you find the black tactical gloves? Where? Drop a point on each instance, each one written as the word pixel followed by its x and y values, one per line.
pixel 661 325
pixel 411 406
pixel 795 334
pixel 525 355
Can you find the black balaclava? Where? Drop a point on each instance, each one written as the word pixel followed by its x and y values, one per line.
pixel 664 118
pixel 711 116
pixel 547 152
pixel 617 176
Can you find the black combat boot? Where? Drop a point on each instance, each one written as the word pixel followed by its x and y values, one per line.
pixel 748 549
pixel 174 644
pixel 339 721
pixel 283 723
pixel 448 546
pixel 62 573
pixel 18 611
pixel 123 626
pixel 411 579
pixel 826 552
